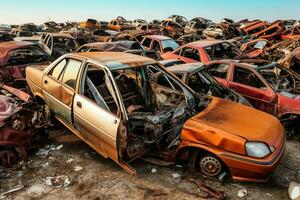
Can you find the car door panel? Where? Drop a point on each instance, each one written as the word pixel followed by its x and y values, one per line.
pixel 96 126
pixel 67 100
pixel 53 94
pixel 261 99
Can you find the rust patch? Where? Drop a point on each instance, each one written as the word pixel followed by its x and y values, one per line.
pixel 217 113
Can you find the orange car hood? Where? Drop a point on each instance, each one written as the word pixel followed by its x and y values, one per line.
pixel 242 121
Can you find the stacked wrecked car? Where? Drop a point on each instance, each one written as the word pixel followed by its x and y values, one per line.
pixel 218 97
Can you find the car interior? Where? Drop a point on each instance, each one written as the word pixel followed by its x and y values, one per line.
pixel 156 109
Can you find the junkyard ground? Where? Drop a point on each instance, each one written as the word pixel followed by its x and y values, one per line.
pixel 103 179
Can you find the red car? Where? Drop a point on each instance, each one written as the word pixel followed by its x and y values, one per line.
pixel 204 51
pixel 270 88
pixel 159 43
pixel 15 56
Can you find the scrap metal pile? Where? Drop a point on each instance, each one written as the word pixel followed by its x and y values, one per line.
pixel 251 62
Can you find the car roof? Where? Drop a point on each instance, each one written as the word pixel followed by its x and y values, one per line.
pixel 5 47
pixel 61 35
pixel 116 60
pixel 204 43
pixel 236 62
pixel 121 45
pixel 158 37
pixel 186 68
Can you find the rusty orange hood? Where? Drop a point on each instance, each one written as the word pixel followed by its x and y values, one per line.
pixel 238 121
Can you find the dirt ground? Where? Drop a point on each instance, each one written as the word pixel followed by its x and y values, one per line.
pixel 93 177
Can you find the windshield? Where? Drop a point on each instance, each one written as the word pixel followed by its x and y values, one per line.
pixel 203 83
pixel 61 42
pixel 25 34
pixel 169 44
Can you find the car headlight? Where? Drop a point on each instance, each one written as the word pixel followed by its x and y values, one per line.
pixel 257 149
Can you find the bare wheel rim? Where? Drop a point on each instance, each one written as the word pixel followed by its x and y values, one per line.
pixel 210 166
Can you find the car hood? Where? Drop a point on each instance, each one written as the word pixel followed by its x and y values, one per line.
pixel 239 121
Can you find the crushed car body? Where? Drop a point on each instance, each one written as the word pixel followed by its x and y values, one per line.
pixel 22 124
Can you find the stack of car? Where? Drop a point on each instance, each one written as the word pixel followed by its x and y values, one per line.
pixel 219 97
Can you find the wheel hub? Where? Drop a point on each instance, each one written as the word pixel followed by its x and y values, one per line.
pixel 210 166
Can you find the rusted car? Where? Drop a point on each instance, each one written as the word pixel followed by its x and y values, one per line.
pixel 292 33
pixel 196 26
pixel 138 22
pixel 291 60
pixel 21 33
pixel 82 36
pixel 29 27
pixel 270 88
pixel 193 75
pixel 149 29
pixel 171 29
pixel 204 51
pixel 255 48
pixel 89 24
pixel 131 34
pixel 272 31
pixel 221 31
pixel 109 100
pixel 253 27
pixel 5 36
pixel 281 50
pixel 159 43
pixel 178 19
pixel 120 25
pixel 51 27
pixel 22 124
pixel 105 35
pixel 16 56
pixel 59 44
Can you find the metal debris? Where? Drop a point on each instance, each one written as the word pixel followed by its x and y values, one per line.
pixel 78 168
pixel 15 189
pixel 294 191
pixel 242 193
pixel 210 192
pixel 58 181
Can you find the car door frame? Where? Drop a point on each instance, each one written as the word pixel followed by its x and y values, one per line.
pixel 186 59
pixel 105 134
pixel 55 103
pixel 222 81
pixel 269 92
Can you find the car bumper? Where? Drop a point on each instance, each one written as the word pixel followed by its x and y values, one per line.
pixel 244 168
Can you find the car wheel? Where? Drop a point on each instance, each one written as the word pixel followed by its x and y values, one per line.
pixel 210 165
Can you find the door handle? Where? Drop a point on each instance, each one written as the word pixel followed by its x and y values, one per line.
pixel 79 105
pixel 45 81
